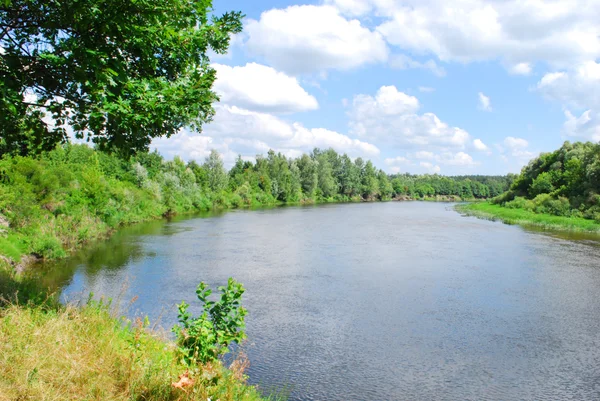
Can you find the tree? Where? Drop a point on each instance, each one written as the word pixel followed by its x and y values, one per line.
pixel 370 184
pixel 326 183
pixel 308 175
pixel 118 72
pixel 542 184
pixel 215 171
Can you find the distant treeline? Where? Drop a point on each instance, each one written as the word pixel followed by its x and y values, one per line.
pixel 465 187
pixel 565 182
pixel 55 201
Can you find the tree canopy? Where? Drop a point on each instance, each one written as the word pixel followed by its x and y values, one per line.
pixel 565 182
pixel 118 72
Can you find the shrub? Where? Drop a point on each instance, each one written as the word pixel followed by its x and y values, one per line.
pixel 204 338
pixel 520 203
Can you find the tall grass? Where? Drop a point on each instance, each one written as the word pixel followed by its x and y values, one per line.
pixel 69 353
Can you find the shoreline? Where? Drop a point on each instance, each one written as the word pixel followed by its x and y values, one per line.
pixel 487 211
pixel 26 261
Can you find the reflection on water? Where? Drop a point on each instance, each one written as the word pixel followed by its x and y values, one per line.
pixel 394 301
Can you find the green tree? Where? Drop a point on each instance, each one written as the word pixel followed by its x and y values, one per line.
pixel 542 184
pixel 326 183
pixel 215 171
pixel 370 184
pixel 308 175
pixel 119 72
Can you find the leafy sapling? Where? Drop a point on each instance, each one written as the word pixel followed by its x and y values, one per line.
pixel 204 338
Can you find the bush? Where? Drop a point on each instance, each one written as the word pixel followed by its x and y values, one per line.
pixel 204 338
pixel 544 203
pixel 520 203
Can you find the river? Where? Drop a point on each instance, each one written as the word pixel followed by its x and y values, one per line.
pixel 377 301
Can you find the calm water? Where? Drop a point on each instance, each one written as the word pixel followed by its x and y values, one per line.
pixel 391 301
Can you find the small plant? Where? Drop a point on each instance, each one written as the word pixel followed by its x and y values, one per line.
pixel 204 338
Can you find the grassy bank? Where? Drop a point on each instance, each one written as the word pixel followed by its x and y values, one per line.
pixel 87 354
pixel 528 218
pixel 50 351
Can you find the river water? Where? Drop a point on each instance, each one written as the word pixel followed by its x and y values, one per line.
pixel 378 301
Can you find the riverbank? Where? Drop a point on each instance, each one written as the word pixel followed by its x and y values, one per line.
pixel 57 202
pixel 523 217
pixel 87 353
pixel 51 351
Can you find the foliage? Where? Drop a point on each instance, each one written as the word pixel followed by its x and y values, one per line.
pixel 517 215
pixel 119 72
pixel 565 182
pixel 203 338
pixel 85 353
pixel 73 194
pixel 465 187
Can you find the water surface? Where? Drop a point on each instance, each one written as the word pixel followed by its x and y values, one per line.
pixel 382 301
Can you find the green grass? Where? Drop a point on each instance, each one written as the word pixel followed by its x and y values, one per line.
pixel 526 218
pixel 86 353
pixel 11 247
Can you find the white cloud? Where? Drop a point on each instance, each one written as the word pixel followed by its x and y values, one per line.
pixel 520 69
pixel 400 160
pixel 458 159
pixel 430 167
pixel 579 87
pixel 403 62
pixel 309 39
pixel 426 89
pixel 261 88
pixel 517 148
pixel 238 131
pixel 586 126
pixel 515 143
pixel 387 102
pixel 484 102
pixel 516 32
pixel 391 117
pixel 447 158
pixel 351 7
pixel 479 145
pixel 423 154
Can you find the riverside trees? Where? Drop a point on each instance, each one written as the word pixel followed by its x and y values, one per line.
pixel 565 182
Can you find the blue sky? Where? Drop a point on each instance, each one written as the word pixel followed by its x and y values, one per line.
pixel 420 86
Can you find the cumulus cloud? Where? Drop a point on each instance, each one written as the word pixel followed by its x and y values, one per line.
pixel 447 158
pixel 520 69
pixel 403 62
pixel 586 126
pixel 457 159
pixel 430 167
pixel 431 162
pixel 516 147
pixel 515 143
pixel 238 131
pixel 423 154
pixel 519 33
pixel 579 87
pixel 261 88
pixel 395 161
pixel 479 145
pixel 484 102
pixel 310 39
pixel 391 117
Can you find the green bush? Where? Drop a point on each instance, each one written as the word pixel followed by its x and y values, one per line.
pixel 203 338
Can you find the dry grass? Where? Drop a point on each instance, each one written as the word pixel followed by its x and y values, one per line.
pixel 70 353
